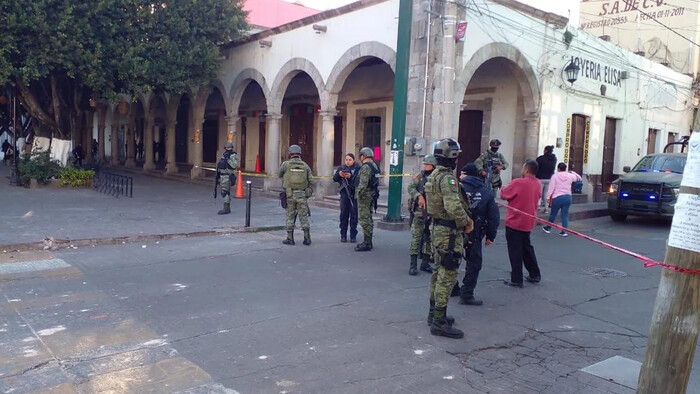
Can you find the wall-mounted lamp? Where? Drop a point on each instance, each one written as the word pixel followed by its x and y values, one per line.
pixel 603 90
pixel 572 72
pixel 320 29
pixel 265 43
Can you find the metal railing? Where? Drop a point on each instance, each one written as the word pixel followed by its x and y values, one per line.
pixel 113 184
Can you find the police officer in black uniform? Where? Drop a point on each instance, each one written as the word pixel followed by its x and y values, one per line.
pixel 484 212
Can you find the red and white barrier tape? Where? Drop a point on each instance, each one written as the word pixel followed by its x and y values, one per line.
pixel 647 261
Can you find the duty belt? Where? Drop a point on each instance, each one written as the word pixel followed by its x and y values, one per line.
pixel 446 223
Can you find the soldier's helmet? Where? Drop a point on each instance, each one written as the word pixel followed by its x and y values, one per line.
pixel 430 159
pixel 295 150
pixel 228 145
pixel 495 142
pixel 367 152
pixel 447 148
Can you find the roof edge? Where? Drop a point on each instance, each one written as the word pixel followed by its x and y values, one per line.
pixel 309 20
pixel 548 17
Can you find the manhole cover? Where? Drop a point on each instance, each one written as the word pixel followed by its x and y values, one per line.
pixel 606 272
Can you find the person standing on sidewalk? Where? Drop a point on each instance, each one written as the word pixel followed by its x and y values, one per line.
pixel 545 169
pixel 345 177
pixel 296 180
pixel 449 210
pixel 559 192
pixel 226 171
pixel 484 212
pixel 366 184
pixel 522 194
pixel 420 236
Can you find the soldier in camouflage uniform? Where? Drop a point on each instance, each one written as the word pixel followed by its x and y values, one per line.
pixel 297 183
pixel 449 210
pixel 490 164
pixel 420 236
pixel 226 169
pixel 366 183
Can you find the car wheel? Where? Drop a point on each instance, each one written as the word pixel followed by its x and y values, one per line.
pixel 618 217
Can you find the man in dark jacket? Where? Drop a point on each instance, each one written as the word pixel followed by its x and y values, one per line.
pixel 484 211
pixel 546 165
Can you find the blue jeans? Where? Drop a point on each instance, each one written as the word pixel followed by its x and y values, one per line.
pixel 563 203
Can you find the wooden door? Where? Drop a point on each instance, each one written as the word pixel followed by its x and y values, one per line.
pixel 576 145
pixel 469 137
pixel 651 141
pixel 241 154
pixel 608 153
pixel 301 130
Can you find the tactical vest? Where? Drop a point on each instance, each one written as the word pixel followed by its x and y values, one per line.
pixel 295 177
pixel 223 163
pixel 433 195
pixel 373 183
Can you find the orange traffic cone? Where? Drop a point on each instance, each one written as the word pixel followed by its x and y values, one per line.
pixel 257 164
pixel 239 185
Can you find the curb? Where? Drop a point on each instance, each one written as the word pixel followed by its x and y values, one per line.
pixel 55 244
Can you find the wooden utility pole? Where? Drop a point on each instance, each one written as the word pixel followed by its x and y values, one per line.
pixel 676 319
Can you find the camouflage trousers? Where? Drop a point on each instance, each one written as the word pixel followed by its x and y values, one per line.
pixel 364 215
pixel 416 233
pixel 225 182
pixel 443 280
pixel 297 206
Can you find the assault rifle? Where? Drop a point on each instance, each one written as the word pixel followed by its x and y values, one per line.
pixel 424 236
pixel 375 199
pixel 216 182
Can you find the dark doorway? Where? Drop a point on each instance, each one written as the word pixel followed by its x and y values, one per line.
pixel 301 130
pixel 241 154
pixel 469 138
pixel 373 136
pixel 576 145
pixel 210 134
pixel 181 131
pixel 261 143
pixel 338 154
pixel 609 153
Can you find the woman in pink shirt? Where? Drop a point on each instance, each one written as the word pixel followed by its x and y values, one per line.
pixel 559 193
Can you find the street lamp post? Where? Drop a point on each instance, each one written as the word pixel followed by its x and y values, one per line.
pixel 14 180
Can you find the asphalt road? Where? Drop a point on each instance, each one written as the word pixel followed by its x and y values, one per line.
pixel 244 313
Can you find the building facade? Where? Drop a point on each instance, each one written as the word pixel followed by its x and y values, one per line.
pixel 326 82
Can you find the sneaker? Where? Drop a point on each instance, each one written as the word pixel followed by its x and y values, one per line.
pixel 563 234
pixel 546 230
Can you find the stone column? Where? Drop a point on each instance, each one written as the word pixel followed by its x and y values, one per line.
pixel 148 163
pixel 325 164
pixel 171 166
pixel 532 136
pixel 115 142
pixel 231 123
pixel 101 136
pixel 198 153
pixel 272 150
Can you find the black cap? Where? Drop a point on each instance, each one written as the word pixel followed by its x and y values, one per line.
pixel 470 169
pixel 549 148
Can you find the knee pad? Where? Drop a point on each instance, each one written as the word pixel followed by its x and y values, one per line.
pixel 224 193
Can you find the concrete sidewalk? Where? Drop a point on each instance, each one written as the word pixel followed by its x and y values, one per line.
pixel 159 207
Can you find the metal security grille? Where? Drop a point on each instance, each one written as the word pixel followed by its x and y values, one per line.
pixel 113 184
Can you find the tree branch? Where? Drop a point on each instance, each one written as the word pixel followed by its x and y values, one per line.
pixel 32 106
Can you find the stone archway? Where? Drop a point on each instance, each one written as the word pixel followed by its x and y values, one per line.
pixel 350 60
pixel 241 83
pixel 288 71
pixel 499 96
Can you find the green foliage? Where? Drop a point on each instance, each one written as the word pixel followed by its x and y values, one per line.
pixel 103 48
pixel 75 177
pixel 39 166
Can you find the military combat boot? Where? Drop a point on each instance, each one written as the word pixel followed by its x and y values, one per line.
pixel 425 265
pixel 290 238
pixel 307 237
pixel 431 314
pixel 442 327
pixel 365 246
pixel 414 262
pixel 226 209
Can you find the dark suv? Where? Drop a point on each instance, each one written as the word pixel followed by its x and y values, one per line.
pixel 649 189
